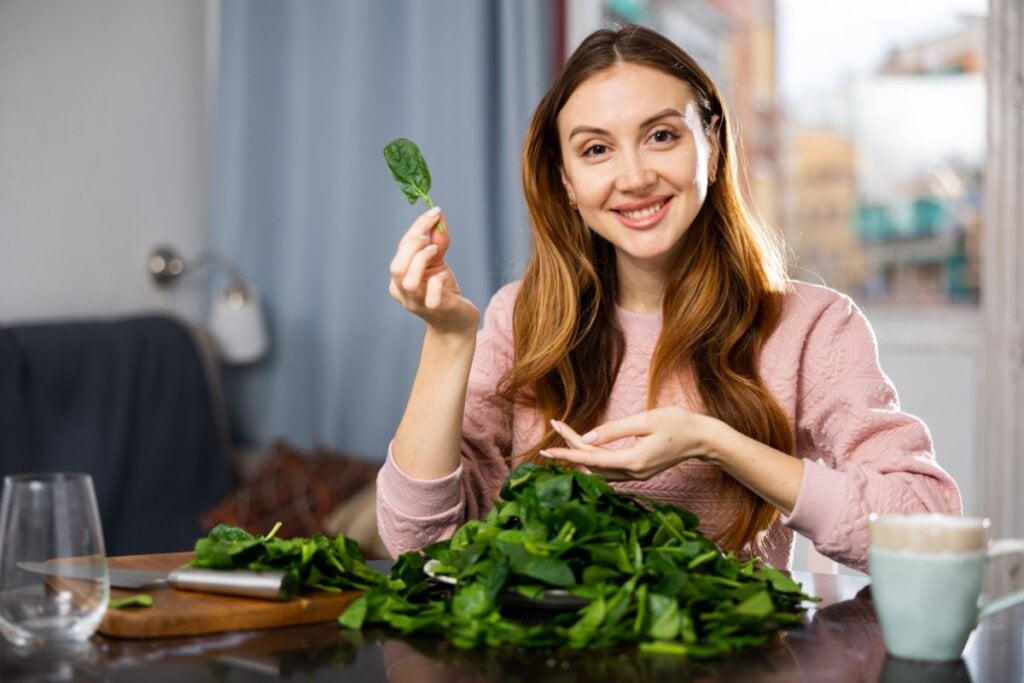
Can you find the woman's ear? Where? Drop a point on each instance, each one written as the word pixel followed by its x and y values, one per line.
pixel 568 188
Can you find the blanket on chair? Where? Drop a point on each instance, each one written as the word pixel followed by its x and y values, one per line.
pixel 129 401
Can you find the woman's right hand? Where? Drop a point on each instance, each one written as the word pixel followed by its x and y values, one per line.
pixel 423 283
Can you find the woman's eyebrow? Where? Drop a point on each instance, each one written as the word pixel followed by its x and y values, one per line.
pixel 664 113
pixel 587 129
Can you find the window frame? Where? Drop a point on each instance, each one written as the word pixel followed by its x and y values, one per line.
pixel 999 458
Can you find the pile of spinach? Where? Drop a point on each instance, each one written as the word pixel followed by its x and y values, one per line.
pixel 650 576
pixel 317 563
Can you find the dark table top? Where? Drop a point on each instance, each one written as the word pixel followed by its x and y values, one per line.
pixel 839 641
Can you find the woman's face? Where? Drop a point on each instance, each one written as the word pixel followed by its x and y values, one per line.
pixel 636 159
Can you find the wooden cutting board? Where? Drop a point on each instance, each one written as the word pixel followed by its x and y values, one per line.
pixel 187 613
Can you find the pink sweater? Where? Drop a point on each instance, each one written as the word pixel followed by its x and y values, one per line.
pixel 861 453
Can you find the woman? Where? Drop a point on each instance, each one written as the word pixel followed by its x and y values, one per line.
pixel 654 318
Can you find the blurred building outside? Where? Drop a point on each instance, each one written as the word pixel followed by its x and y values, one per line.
pixel 913 134
pixel 821 179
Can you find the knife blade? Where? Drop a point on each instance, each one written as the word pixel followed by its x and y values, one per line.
pixel 269 585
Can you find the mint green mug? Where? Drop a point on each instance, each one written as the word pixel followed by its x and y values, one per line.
pixel 926 576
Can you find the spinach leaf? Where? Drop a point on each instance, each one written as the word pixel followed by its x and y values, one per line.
pixel 140 600
pixel 410 171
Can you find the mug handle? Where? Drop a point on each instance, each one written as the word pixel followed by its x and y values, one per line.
pixel 999 548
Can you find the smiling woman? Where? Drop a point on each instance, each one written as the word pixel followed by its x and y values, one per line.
pixel 654 318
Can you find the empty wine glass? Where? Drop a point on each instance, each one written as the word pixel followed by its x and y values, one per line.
pixel 51 520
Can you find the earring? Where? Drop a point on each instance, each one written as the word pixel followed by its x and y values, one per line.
pixel 572 203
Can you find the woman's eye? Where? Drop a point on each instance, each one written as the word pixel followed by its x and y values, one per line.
pixel 663 136
pixel 594 150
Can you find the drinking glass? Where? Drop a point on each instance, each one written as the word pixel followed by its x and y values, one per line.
pixel 51 518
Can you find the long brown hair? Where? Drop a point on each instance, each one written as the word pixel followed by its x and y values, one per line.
pixel 723 298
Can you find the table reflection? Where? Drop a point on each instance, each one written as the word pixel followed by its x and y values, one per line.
pixel 840 640
pixel 278 652
pixel 19 665
pixel 901 671
pixel 423 661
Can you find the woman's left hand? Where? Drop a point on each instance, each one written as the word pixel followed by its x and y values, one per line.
pixel 663 437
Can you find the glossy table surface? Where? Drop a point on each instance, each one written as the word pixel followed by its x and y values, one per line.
pixel 839 641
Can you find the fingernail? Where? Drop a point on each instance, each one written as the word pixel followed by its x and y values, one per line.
pixel 545 454
pixel 425 237
pixel 434 211
pixel 431 248
pixel 556 427
pixel 589 437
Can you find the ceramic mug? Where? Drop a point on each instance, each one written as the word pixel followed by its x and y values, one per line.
pixel 926 577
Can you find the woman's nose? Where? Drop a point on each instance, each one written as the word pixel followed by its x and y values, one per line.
pixel 634 174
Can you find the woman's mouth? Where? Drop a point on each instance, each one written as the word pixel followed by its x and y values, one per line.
pixel 643 216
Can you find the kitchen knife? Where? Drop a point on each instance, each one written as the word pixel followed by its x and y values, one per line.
pixel 270 585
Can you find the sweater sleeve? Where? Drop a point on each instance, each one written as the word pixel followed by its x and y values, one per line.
pixel 862 454
pixel 412 513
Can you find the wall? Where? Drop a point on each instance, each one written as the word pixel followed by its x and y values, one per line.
pixel 931 357
pixel 103 119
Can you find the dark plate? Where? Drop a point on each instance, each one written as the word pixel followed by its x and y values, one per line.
pixel 554 599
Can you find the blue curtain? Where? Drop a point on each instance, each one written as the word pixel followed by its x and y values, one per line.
pixel 308 94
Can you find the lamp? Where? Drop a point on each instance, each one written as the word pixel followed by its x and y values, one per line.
pixel 236 322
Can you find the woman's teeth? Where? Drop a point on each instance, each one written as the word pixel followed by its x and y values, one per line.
pixel 646 212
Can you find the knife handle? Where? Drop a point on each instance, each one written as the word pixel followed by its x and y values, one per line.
pixel 266 585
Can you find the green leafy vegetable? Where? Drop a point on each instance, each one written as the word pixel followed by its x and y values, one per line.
pixel 410 171
pixel 645 572
pixel 317 563
pixel 140 600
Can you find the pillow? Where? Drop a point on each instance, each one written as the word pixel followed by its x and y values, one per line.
pixel 294 488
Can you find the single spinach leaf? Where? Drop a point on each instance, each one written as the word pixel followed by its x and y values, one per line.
pixel 759 605
pixel 410 171
pixel 140 600
pixel 229 534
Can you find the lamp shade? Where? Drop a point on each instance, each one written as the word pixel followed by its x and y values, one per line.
pixel 238 326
